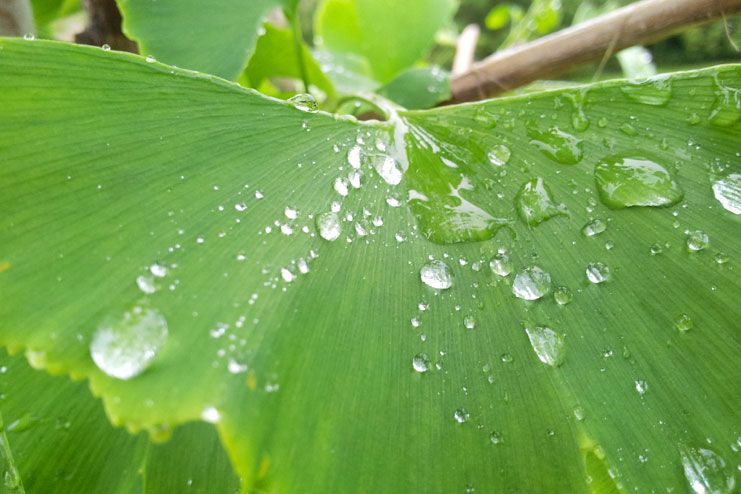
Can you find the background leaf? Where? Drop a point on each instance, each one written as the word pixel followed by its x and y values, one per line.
pixel 418 88
pixel 385 37
pixel 215 38
pixel 316 357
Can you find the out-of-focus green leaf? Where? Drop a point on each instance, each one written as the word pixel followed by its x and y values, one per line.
pixel 460 286
pixel 390 35
pixel 47 11
pixel 275 56
pixel 351 74
pixel 418 88
pixel 503 14
pixel 215 37
pixel 542 17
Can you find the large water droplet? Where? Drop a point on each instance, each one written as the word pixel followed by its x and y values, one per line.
pixel 436 274
pixel 304 102
pixel 547 344
pixel 598 272
pixel 654 92
pixel 421 363
pixel 535 203
pixel 706 471
pixel 500 264
pixel 558 145
pixel 697 241
pixel 388 168
pixel 125 348
pixel 329 226
pixel 531 283
pixel 727 192
pixel 635 181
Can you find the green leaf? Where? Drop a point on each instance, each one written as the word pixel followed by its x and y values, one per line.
pixel 419 88
pixel 211 208
pixel 47 11
pixel 215 38
pixel 275 56
pixel 503 14
pixel 61 441
pixel 391 36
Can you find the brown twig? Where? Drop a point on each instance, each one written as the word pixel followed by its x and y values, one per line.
pixel 639 23
pixel 104 27
pixel 16 18
pixel 465 49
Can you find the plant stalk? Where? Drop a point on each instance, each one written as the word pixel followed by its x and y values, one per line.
pixel 643 22
pixel 297 38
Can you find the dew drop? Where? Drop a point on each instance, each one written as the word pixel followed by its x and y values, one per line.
pixel 706 472
pixel 558 145
pixel 594 227
pixel 150 59
pixel 598 272
pixel 421 363
pixel 125 348
pixel 562 295
pixel 461 415
pixel 495 437
pixel 641 387
pixel 329 226
pixel 499 155
pixel 697 241
pixel 146 284
pixel 655 249
pixel 535 203
pixel 388 168
pixel 500 264
pixel 354 156
pixel 304 102
pixel 683 323
pixel 158 270
pixel 211 415
pixel 727 192
pixel 287 275
pixel 436 274
pixel 635 181
pixel 531 283
pixel 290 213
pixel 653 92
pixel 547 344
pixel 727 108
pixel 469 322
pixel 340 186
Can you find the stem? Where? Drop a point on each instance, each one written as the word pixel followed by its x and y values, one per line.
pixel 297 39
pixel 16 18
pixel 643 22
pixel 465 49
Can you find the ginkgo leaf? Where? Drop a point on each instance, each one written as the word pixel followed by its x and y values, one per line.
pixel 533 293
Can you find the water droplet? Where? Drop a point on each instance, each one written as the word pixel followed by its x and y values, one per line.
pixel 641 387
pixel 635 181
pixel 500 264
pixel 721 258
pixel 235 367
pixel 469 322
pixel 598 272
pixel 106 47
pixel 727 192
pixel 594 227
pixel 436 274
pixel 158 270
pixel 547 344
pixel 421 363
pixel 531 283
pixel 211 415
pixel 29 36
pixel 461 415
pixel 579 413
pixel 290 213
pixel 11 478
pixel 499 155
pixel 683 323
pixel 697 241
pixel 125 348
pixel 495 437
pixel 506 358
pixel 705 471
pixel 329 226
pixel 146 284
pixel 287 275
pixel 654 92
pixel 354 156
pixel 562 295
pixel 727 108
pixel 558 145
pixel 150 59
pixel 655 249
pixel 340 186
pixel 304 102
pixel 388 168
pixel 535 203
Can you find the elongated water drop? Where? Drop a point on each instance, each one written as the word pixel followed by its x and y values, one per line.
pixel 598 272
pixel 727 192
pixel 531 283
pixel 436 274
pixel 594 227
pixel 388 168
pixel 547 344
pixel 627 181
pixel 125 348
pixel 329 226
pixel 705 471
pixel 558 145
pixel 304 102
pixel 655 92
pixel 535 203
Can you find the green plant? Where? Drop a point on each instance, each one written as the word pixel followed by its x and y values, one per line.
pixel 527 294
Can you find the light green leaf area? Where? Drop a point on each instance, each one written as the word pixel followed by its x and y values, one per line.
pixel 275 56
pixel 47 11
pixel 214 37
pixel 392 36
pixel 57 439
pixel 418 88
pixel 438 303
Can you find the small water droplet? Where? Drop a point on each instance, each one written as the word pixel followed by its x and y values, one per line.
pixel 287 275
pixel 562 295
pixel 531 283
pixel 506 358
pixel 150 59
pixel 495 437
pixel 635 181
pixel 579 414
pixel 211 415
pixel 106 47
pixel 436 274
pixel 461 415
pixel 655 249
pixel 146 284
pixel 126 347
pixel 697 241
pixel 727 192
pixel 340 186
pixel 235 367
pixel 329 226
pixel 304 102
pixel 29 36
pixel 547 344
pixel 641 387
pixel 594 227
pixel 683 323
pixel 598 272
pixel 500 264
pixel 421 363
pixel 721 258
pixel 469 322
pixel 499 155
pixel 535 203
pixel 354 156
pixel 158 270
